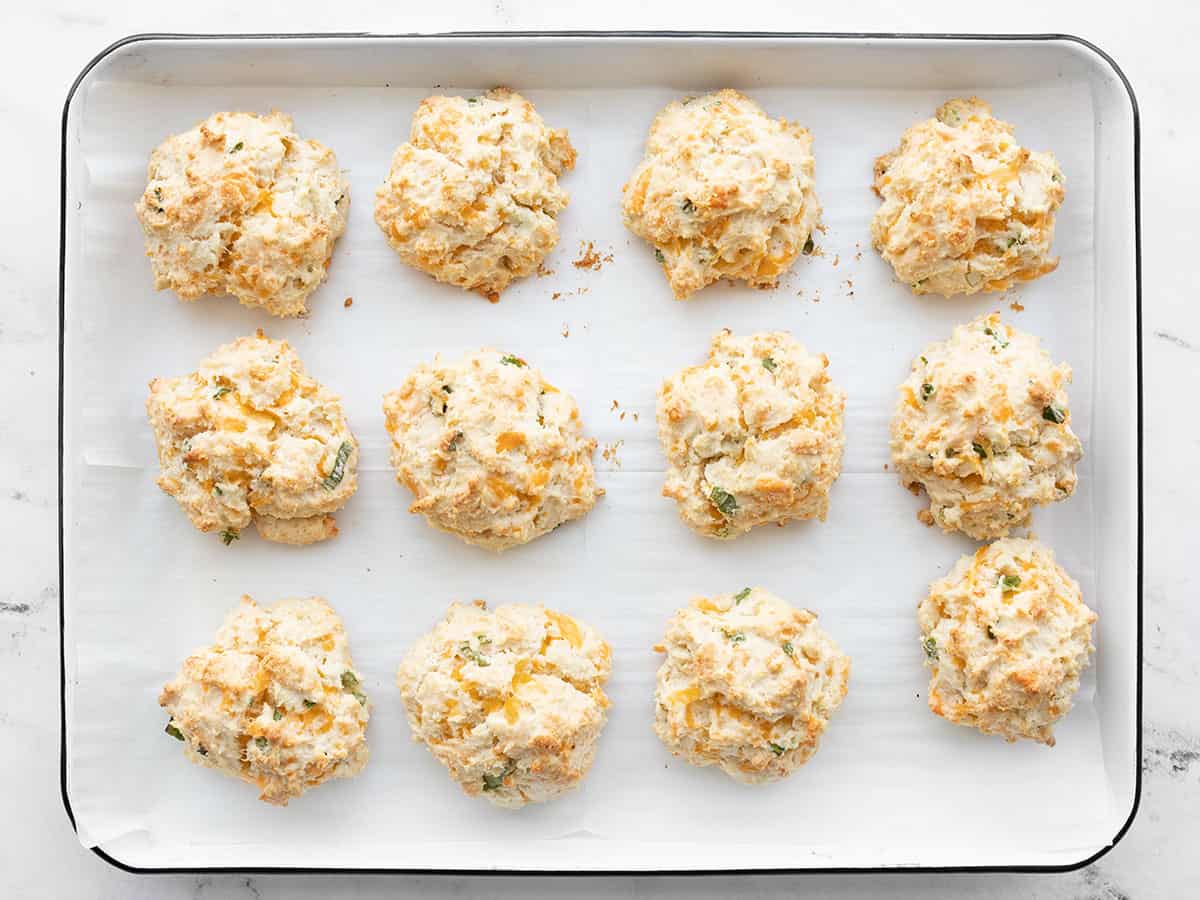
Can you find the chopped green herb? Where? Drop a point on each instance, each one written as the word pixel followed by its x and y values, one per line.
pixel 261 743
pixel 334 478
pixel 927 391
pixel 930 645
pixel 229 535
pixel 688 206
pixel 483 639
pixel 741 595
pixel 216 490
pixel 221 392
pixel 174 732
pixel 158 193
pixel 1015 241
pixel 277 715
pixel 788 648
pixel 809 246
pixel 924 360
pixel 769 364
pixel 1053 414
pixel 776 748
pixel 734 637
pixel 495 782
pixel 351 683
pixel 309 704
pixel 951 453
pixel 916 284
pixel 203 751
pixel 724 501
pixel 447 389
pixel 996 336
pixel 658 256
pixel 236 147
pixel 979 449
pixel 473 655
pixel 472 100
pixel 1056 177
pixel 1010 582
pixel 510 360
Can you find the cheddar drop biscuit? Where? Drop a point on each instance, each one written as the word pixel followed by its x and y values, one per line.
pixel 510 701
pixel 251 438
pixel 753 436
pixel 491 451
pixel 473 197
pixel 965 207
pixel 274 701
pixel 242 205
pixel 724 192
pixel 983 426
pixel 749 684
pixel 1006 636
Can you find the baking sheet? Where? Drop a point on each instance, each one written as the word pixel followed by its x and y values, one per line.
pixel 892 784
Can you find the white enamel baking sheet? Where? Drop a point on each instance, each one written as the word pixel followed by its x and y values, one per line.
pixel 892 786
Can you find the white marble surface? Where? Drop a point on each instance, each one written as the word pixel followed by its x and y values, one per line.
pixel 47 44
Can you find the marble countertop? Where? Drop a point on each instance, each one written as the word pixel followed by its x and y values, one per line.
pixel 47 46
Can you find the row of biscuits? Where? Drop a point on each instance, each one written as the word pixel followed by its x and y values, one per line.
pixel 241 205
pixel 512 702
pixel 494 453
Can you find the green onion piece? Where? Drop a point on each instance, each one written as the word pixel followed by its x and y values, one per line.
pixel 809 246
pixel 741 595
pixel 1052 413
pixel 769 364
pixel 930 645
pixel 788 648
pixel 174 732
pixel 334 478
pixel 229 535
pixel 724 501
pixel 776 749
pixel 510 360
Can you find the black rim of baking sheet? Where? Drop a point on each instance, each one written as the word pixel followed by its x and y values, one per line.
pixel 783 35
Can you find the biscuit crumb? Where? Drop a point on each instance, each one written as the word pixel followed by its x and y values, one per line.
pixel 566 330
pixel 542 271
pixel 348 302
pixel 589 258
pixel 610 453
pixel 1016 306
